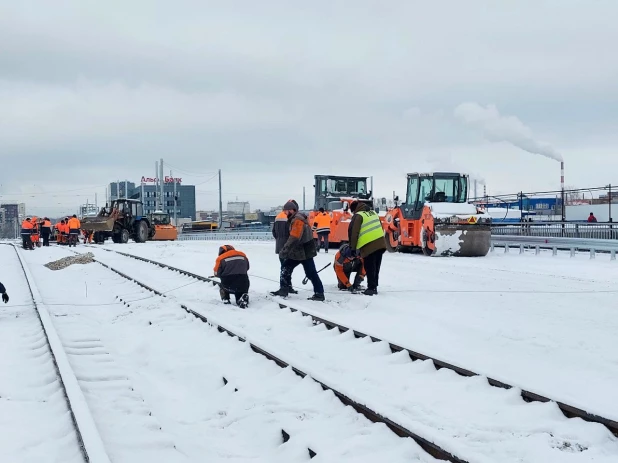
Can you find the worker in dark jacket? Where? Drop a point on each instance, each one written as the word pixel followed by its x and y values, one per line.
pixel 366 238
pixel 281 233
pixel 347 263
pixel 231 267
pixel 299 249
pixel 5 296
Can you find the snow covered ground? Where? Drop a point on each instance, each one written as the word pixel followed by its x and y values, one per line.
pixel 35 423
pixel 153 379
pixel 544 323
pixel 485 424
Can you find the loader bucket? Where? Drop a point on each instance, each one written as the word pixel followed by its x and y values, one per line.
pixel 462 240
pixel 98 223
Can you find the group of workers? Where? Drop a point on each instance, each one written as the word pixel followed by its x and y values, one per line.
pixel 33 229
pixel 295 245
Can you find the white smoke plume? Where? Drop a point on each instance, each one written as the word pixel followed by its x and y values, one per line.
pixel 497 127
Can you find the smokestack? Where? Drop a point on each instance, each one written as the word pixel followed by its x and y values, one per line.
pixel 562 189
pixel 475 189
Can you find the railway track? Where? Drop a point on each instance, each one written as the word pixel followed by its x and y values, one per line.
pixel 375 416
pixel 528 396
pixel 46 346
pixel 427 444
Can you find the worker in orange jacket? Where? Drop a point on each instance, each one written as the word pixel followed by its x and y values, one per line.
pixel 74 226
pixel 232 267
pixel 347 263
pixel 46 229
pixel 63 237
pixel 26 233
pixel 321 225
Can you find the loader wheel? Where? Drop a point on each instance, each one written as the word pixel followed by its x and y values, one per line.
pixel 124 236
pixel 391 242
pixel 141 234
pixel 116 237
pixel 428 237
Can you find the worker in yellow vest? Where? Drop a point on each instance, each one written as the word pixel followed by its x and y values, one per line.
pixel 366 239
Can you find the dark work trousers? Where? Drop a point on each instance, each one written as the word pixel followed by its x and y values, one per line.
pixel 45 234
pixel 73 236
pixel 234 284
pixel 323 238
pixel 285 279
pixel 26 240
pixel 372 266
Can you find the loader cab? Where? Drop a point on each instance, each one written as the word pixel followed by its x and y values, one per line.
pixel 436 187
pixel 332 188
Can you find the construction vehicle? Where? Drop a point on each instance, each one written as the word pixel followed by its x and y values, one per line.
pixel 334 194
pixel 437 219
pixel 164 230
pixel 122 220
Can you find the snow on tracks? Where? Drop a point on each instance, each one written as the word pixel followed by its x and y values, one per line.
pixel 178 364
pixel 486 424
pixel 42 416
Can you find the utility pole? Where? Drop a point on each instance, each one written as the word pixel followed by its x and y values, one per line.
pixel 610 202
pixel 162 185
pixel 304 208
pixel 220 203
pixel 172 175
pixel 156 185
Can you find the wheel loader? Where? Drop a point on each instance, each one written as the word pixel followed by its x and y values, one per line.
pixel 122 220
pixel 164 230
pixel 335 194
pixel 437 219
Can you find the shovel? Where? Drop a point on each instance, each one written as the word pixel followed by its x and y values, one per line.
pixel 305 280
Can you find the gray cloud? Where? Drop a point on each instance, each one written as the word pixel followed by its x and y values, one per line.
pixel 272 92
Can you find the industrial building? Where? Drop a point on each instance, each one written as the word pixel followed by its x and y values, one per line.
pixel 175 195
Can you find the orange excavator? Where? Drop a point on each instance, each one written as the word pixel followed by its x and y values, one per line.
pixel 334 194
pixel 437 219
pixel 164 230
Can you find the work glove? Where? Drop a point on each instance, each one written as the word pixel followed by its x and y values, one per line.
pixel 5 297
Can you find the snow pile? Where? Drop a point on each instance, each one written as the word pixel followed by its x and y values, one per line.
pixel 445 210
pixel 63 263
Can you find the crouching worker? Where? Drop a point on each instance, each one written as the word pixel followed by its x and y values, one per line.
pixel 232 267
pixel 346 263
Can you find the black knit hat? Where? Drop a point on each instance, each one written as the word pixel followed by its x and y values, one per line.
pixel 353 206
pixel 291 205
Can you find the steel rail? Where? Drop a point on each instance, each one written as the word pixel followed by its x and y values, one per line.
pixel 89 439
pixel 430 447
pixel 528 396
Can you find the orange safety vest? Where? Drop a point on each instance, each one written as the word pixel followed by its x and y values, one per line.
pixel 27 225
pixel 322 221
pixel 74 223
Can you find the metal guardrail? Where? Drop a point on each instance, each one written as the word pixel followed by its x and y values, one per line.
pixel 223 236
pixel 601 231
pixel 574 245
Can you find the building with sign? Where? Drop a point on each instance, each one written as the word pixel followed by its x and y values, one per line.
pixel 175 195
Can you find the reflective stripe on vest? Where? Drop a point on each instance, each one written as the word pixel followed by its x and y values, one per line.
pixel 371 229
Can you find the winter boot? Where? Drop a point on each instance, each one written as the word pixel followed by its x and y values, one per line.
pixel 226 301
pixel 282 292
pixel 243 301
pixel 292 290
pixel 370 292
pixel 317 297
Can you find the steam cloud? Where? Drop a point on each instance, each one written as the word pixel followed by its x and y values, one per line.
pixel 498 128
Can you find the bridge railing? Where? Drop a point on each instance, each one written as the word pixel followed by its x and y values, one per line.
pixel 600 231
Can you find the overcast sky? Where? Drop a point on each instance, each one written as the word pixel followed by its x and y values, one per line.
pixel 275 91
